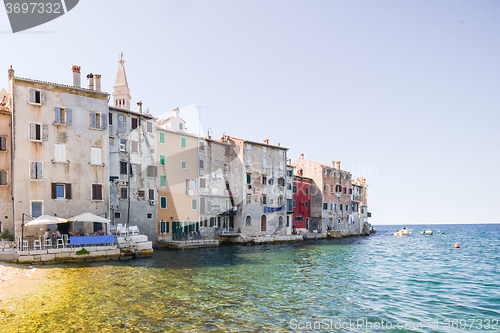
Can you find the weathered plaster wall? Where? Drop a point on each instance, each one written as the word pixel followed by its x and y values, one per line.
pixel 6 221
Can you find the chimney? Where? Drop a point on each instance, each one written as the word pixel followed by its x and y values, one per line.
pixel 266 141
pixel 300 172
pixel 338 164
pixel 176 112
pixel 11 72
pixel 97 82
pixel 289 161
pixel 302 155
pixel 333 163
pixel 139 107
pixel 75 76
pixel 278 144
pixel 90 77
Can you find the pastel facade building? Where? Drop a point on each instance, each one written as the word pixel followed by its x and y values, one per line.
pixel 301 203
pixel 178 206
pixel 60 149
pixel 289 196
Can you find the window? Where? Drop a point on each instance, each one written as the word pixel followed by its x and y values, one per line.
pixel 294 189
pixel 98 120
pixel 36 170
pixel 271 181
pixel 63 116
pixel 193 204
pixel 151 194
pixel 38 132
pixel 264 180
pixel 248 221
pixel 133 123
pixel 183 164
pixel 289 203
pixel 123 168
pixel 149 127
pixel 344 190
pixel 183 142
pixel 3 178
pixel 60 153
pixel 249 178
pixel 149 216
pixel 350 191
pixel 123 145
pixel 61 191
pixel 164 227
pixel 110 119
pixel 307 189
pixel 163 180
pixel 325 205
pixel 249 199
pixel 123 193
pixel 181 126
pixel 135 146
pixel 264 199
pixel 36 96
pixel 201 164
pixel 306 204
pixel 118 215
pixel 280 221
pixel 324 188
pixel 163 202
pixel 280 201
pixel 152 171
pixel 162 137
pixel 288 186
pixel 294 203
pixel 36 208
pixel 288 220
pixel 289 173
pixel 3 143
pixel 341 207
pixel 96 191
pixel 95 157
pixel 135 169
pixel 141 194
pixel 201 145
pixel 162 159
pixel 281 182
pixel 193 184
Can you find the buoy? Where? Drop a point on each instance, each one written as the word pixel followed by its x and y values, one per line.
pixel 456 246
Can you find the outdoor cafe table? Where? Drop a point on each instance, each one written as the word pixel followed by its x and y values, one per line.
pixel 90 240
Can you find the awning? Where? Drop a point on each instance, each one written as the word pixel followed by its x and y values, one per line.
pixel 88 217
pixel 46 219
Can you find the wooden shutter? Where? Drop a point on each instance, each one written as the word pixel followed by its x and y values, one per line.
pixel 32 131
pixel 68 191
pixel 69 117
pixel 134 123
pixel 135 146
pixel 93 120
pixel 54 190
pixel 104 121
pixel 3 178
pixel 201 164
pixel 42 96
pixel 32 170
pixel 149 127
pixel 39 170
pixel 151 194
pixel 3 143
pixel 57 115
pixel 45 132
pixel 94 191
pixel 31 95
pixel 110 119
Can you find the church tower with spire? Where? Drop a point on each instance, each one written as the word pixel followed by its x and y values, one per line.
pixel 121 92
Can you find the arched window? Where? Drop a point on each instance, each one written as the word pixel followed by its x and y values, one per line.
pixel 263 224
pixel 248 221
pixel 280 221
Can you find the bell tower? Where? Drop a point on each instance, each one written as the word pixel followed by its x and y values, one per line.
pixel 121 92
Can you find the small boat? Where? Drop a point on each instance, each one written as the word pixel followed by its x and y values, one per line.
pixel 426 232
pixel 403 232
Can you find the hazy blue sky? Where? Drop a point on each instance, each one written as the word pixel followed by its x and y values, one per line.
pixel 405 93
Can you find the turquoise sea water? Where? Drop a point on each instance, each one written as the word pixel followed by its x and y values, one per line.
pixel 379 283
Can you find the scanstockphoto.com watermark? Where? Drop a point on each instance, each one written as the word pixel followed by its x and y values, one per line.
pixel 26 14
pixel 364 324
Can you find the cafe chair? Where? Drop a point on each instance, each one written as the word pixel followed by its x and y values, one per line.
pixel 133 230
pixel 48 243
pixel 37 243
pixel 60 241
pixel 65 240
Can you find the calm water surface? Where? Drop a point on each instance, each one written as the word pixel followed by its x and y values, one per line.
pixel 411 280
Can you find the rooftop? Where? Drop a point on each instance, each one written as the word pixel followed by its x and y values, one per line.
pixel 60 85
pixel 132 112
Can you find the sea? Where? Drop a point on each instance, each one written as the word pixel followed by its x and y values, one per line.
pixel 376 283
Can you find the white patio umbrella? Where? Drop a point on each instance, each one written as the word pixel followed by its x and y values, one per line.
pixel 46 219
pixel 88 217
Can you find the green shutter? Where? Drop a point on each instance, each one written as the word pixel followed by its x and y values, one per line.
pixel 162 159
pixel 163 180
pixel 162 137
pixel 306 189
pixel 183 143
pixel 249 179
pixel 168 226
pixel 163 202
pixel 193 204
pixel 183 164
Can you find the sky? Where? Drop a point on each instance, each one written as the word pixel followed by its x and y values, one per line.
pixel 404 93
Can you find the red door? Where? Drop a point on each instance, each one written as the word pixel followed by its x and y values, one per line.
pixel 263 226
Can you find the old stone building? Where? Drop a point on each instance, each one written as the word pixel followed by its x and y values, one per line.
pixel 132 161
pixel 60 148
pixel 263 208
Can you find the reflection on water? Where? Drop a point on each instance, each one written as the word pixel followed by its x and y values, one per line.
pixel 262 288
